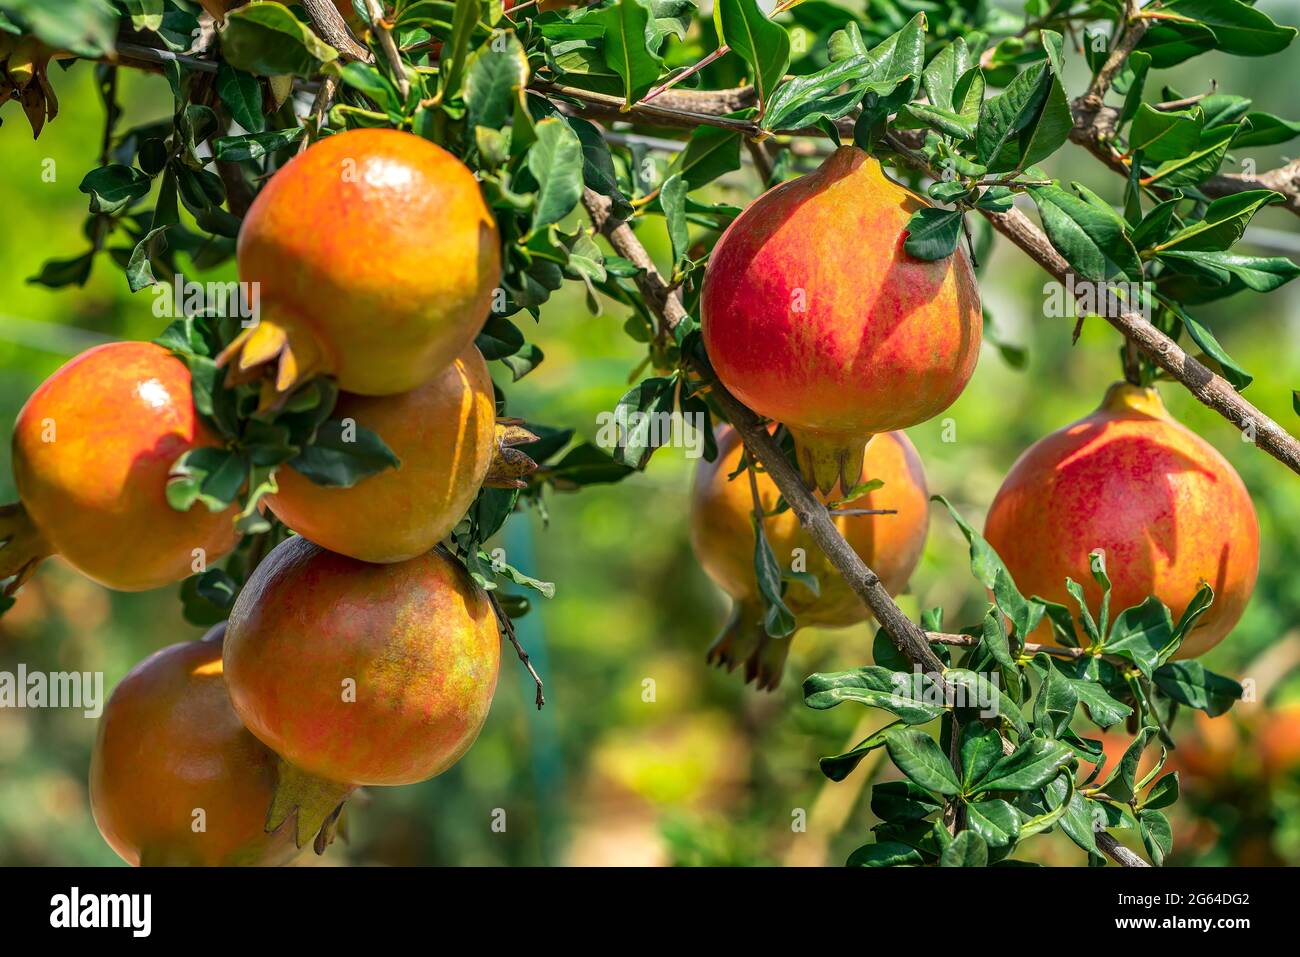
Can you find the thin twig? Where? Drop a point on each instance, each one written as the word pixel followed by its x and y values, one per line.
pixel 508 629
pixel 388 45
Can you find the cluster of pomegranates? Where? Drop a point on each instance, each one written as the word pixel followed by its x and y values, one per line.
pixel 359 652
pixel 817 318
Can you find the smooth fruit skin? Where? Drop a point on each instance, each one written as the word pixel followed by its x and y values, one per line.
pixel 170 744
pixel 441 431
pixel 120 415
pixel 358 673
pixel 377 258
pixel 1166 508
pixel 723 538
pixel 814 315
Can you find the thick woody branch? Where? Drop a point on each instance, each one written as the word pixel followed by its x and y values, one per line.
pixel 812 514
pixel 329 23
pixel 1209 388
pixel 1129 31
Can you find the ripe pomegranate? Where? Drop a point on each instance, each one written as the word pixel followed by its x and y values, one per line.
pixel 722 534
pixel 441 431
pixel 814 315
pixel 93 448
pixel 377 258
pixel 1166 508
pixel 359 673
pixel 174 777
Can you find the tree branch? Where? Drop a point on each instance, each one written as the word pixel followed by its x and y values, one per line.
pixel 1117 852
pixel 329 23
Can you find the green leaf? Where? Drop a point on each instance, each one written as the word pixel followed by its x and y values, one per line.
pixel 710 152
pixel 940 76
pixel 1049 818
pixel 981 748
pixel 875 687
pixel 1140 634
pixel 1120 783
pixel 114 187
pixel 1192 684
pixel 779 620
pixel 884 854
pixel 920 759
pixel 1028 768
pixel 1165 134
pixel 1163 793
pixel 1157 836
pixel 933 233
pixel 626 49
pixel 493 81
pixel 1170 43
pixel 1003 118
pixel 980 692
pixel 967 850
pixel 764 45
pixel 1198 165
pixel 995 821
pixel 1265 129
pixel 840 766
pixel 1091 239
pixel 1138 64
pixel 1223 223
pixel 556 162
pixel 242 95
pixel 209 475
pixel 237 149
pixel 598 166
pixel 266 39
pixel 672 199
pixel 1238 28
pixel 342 454
pixel 1202 336
pixel 1076 820
pixel 206 598
pixel 902 802
pixel 634 416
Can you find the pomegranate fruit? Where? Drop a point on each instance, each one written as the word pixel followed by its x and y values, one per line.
pixel 722 534
pixel 175 779
pixel 815 316
pixel 1166 508
pixel 359 673
pixel 92 451
pixel 441 431
pixel 376 258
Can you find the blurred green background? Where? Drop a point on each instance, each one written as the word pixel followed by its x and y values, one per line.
pixel 704 770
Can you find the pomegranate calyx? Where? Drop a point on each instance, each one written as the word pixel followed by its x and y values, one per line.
pixel 22 547
pixel 827 460
pixel 312 802
pixel 284 353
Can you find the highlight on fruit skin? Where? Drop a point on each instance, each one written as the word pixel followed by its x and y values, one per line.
pixel 815 316
pixel 723 539
pixel 1167 509
pixel 175 779
pixel 92 451
pixel 376 259
pixel 359 674
pixel 442 432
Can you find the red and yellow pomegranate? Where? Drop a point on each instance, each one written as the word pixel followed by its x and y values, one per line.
pixel 376 258
pixel 1166 508
pixel 441 431
pixel 362 674
pixel 722 534
pixel 92 451
pixel 175 779
pixel 816 317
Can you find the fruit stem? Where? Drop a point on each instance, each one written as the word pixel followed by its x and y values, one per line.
pixel 22 547
pixel 826 459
